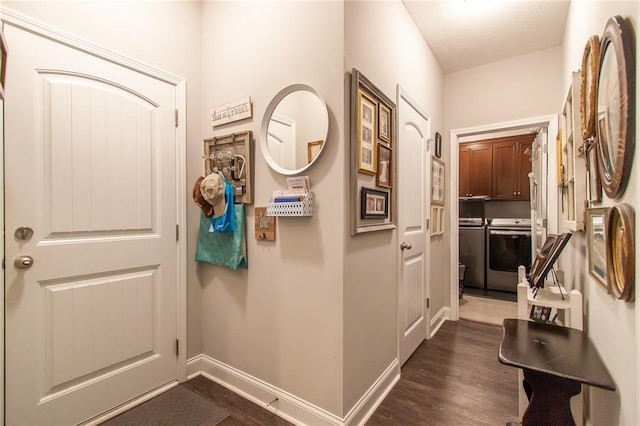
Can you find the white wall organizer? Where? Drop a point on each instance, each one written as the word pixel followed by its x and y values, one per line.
pixel 277 207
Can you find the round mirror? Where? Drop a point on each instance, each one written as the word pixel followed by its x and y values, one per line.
pixel 615 107
pixel 294 129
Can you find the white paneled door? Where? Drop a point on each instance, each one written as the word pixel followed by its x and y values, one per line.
pixel 90 169
pixel 413 181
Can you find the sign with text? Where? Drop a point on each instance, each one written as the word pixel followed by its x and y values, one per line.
pixel 233 111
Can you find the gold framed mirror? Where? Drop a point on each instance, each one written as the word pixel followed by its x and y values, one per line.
pixel 621 253
pixel 615 113
pixel 588 87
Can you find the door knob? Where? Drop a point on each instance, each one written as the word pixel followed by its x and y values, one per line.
pixel 23 233
pixel 404 245
pixel 23 262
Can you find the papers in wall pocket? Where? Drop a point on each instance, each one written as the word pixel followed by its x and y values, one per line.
pixel 223 248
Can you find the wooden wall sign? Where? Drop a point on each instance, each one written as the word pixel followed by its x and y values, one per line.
pixel 233 111
pixel 265 225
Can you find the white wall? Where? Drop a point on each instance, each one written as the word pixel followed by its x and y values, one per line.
pixel 513 89
pixel 280 321
pixel 140 30
pixel 612 324
pixel 382 42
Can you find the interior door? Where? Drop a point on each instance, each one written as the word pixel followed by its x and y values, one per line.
pixel 413 182
pixel 90 222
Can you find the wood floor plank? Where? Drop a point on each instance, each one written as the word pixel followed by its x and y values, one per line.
pixel 243 411
pixel 453 379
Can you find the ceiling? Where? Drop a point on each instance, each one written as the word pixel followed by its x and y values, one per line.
pixel 467 33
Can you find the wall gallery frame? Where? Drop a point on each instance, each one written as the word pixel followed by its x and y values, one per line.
pixel 373 171
pixel 366 134
pixel 597 219
pixel 437 180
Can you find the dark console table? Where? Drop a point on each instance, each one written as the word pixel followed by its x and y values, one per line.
pixel 555 360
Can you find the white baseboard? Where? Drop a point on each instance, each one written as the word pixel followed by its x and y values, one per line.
pixel 286 405
pixel 372 399
pixel 439 319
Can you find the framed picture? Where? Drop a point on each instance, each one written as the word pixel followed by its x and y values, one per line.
pixel 541 256
pixel 597 245
pixel 621 253
pixel 437 220
pixel 366 134
pixel 437 181
pixel 313 149
pixel 546 262
pixel 594 187
pixel 560 170
pixel 384 122
pixel 3 63
pixel 383 175
pixel 438 149
pixel 373 203
pixel 372 162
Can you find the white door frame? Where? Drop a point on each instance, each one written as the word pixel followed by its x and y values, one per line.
pixel 548 121
pixel 10 17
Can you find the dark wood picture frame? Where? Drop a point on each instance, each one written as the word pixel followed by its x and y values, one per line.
pixel 616 93
pixel 621 255
pixel 546 264
pixel 373 203
pixel 384 122
pixel 384 173
pixel 438 147
pixel 3 63
pixel 594 186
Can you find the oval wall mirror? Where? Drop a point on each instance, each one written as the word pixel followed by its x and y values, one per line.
pixel 615 107
pixel 294 129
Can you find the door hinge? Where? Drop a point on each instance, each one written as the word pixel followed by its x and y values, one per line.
pixel 428 302
pixel 427 224
pixel 176 118
pixel 177 232
pixel 177 347
pixel 545 148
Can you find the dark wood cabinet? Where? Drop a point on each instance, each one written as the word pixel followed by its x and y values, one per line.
pixel 475 165
pixel 497 168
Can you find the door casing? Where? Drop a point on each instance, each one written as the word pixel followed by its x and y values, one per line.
pixel 550 122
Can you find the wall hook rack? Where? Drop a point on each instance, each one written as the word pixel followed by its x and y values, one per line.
pixel 231 155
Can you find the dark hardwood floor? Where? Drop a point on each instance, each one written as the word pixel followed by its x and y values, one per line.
pixel 453 379
pixel 242 411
